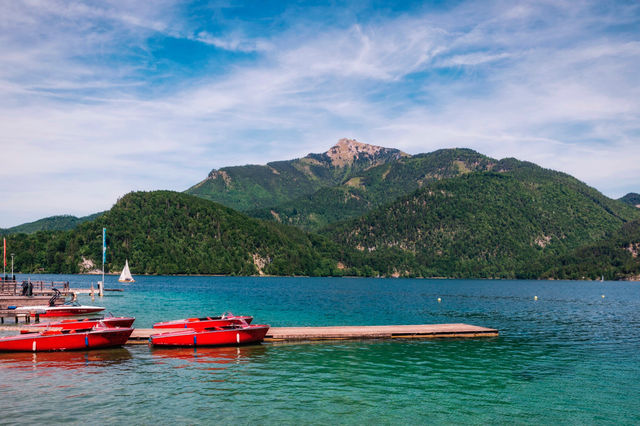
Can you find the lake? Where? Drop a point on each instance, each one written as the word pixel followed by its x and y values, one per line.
pixel 572 356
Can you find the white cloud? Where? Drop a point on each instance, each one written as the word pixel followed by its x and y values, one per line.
pixel 558 89
pixel 233 43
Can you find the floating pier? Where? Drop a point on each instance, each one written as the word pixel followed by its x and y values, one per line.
pixel 299 334
pixel 421 331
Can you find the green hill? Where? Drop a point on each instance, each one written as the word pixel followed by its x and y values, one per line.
pixel 613 258
pixel 374 187
pixel 631 198
pixel 165 232
pixel 53 223
pixel 483 224
pixel 253 187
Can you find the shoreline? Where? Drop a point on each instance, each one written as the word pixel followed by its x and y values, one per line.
pixel 628 279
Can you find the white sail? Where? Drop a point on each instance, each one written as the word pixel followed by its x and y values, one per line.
pixel 125 276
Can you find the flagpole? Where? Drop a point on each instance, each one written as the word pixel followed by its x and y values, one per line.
pixel 104 259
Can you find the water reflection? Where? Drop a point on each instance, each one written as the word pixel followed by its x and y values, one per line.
pixel 211 355
pixel 69 360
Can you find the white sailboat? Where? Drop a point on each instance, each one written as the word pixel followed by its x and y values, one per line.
pixel 125 276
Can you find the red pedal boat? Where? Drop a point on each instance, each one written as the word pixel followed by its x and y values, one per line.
pixel 65 340
pixel 66 310
pixel 83 323
pixel 206 322
pixel 230 335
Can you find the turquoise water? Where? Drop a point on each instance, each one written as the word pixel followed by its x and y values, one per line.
pixel 572 356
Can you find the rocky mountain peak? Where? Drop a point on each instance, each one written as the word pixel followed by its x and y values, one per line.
pixel 347 151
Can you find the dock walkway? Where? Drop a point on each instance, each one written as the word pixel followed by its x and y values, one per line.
pixel 298 334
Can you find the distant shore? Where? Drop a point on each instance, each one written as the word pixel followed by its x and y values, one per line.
pixel 631 279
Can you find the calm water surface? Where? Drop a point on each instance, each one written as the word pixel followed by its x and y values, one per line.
pixel 572 356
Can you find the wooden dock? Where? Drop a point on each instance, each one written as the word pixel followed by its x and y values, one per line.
pixel 6 313
pixel 299 334
pixel 30 293
pixel 422 331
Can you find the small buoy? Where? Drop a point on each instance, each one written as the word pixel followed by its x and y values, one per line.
pixel 535 297
pixel 439 300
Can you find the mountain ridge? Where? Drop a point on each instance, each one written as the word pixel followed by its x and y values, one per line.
pixel 51 223
pixel 261 186
pixel 373 187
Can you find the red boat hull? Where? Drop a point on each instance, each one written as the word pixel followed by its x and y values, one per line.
pixel 207 322
pixel 67 340
pixel 60 311
pixel 82 323
pixel 220 336
pixel 68 312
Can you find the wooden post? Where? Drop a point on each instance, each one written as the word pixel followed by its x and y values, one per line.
pixel 37 317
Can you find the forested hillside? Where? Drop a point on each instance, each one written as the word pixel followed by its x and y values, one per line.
pixel 165 232
pixel 613 258
pixel 484 224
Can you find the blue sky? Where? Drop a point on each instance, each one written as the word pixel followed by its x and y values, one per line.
pixel 101 98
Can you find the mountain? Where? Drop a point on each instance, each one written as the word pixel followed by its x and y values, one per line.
pixel 499 223
pixel 615 257
pixel 53 223
pixel 165 232
pixel 378 211
pixel 374 187
pixel 631 198
pixel 253 186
